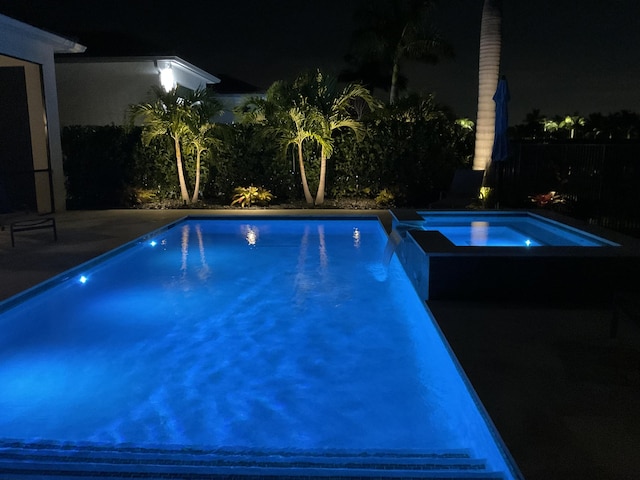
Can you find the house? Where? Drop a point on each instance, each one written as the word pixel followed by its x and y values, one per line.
pixel 97 90
pixel 232 92
pixel 48 82
pixel 31 173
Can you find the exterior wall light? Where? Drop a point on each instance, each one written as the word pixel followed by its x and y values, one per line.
pixel 167 79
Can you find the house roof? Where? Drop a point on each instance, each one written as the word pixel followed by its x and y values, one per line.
pixel 114 47
pixel 232 85
pixel 121 44
pixel 176 62
pixel 109 46
pixel 59 44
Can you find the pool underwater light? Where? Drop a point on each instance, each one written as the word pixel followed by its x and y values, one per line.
pixel 527 242
pixel 83 279
pixel 153 243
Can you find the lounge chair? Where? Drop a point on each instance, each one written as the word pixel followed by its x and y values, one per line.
pixel 37 223
pixel 24 221
pixel 464 190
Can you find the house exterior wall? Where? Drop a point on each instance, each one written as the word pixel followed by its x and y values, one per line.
pixel 28 45
pixel 99 91
pixel 229 102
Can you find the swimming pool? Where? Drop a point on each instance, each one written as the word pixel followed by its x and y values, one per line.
pixel 510 255
pixel 507 229
pixel 245 346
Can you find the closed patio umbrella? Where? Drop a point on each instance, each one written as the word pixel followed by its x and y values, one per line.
pixel 500 150
pixel 501 142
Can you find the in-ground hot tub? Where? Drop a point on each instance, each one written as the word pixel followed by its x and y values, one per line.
pixel 490 254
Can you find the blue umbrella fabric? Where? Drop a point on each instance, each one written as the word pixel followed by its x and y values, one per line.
pixel 500 142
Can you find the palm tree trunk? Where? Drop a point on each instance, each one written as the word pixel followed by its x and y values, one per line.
pixel 303 175
pixel 489 71
pixel 184 194
pixel 196 188
pixel 393 91
pixel 323 175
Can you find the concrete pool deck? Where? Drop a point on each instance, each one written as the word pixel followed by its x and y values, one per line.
pixel 564 396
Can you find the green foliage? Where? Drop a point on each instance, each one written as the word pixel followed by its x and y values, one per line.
pixel 141 196
pixel 387 34
pixel 410 149
pixel 108 167
pixel 622 125
pixel 249 196
pixel 264 197
pixel 304 116
pixel 413 146
pixel 186 120
pixel 385 198
pixel 154 168
pixel 99 165
pixel 247 156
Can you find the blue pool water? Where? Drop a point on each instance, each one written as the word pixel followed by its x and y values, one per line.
pixel 506 229
pixel 254 334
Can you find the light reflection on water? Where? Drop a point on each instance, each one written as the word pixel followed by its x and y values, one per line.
pixel 479 233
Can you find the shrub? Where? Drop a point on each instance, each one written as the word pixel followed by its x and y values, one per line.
pixel 98 165
pixel 247 157
pixel 108 167
pixel 249 196
pixel 385 198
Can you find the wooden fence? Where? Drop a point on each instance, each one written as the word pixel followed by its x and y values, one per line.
pixel 601 182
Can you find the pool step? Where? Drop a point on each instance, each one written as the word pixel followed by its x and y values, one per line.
pixel 20 460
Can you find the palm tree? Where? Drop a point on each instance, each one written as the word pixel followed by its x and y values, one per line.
pixel 336 113
pixel 571 122
pixel 626 124
pixel 329 109
pixel 393 31
pixel 187 121
pixel 533 123
pixel 311 108
pixel 549 125
pixel 199 142
pixel 286 117
pixel 166 115
pixel 489 70
pixel 202 108
pixel 302 119
pixel 597 125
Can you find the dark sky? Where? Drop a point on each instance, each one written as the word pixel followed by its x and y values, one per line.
pixel 560 56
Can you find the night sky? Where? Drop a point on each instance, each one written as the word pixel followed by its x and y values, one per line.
pixel 559 56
